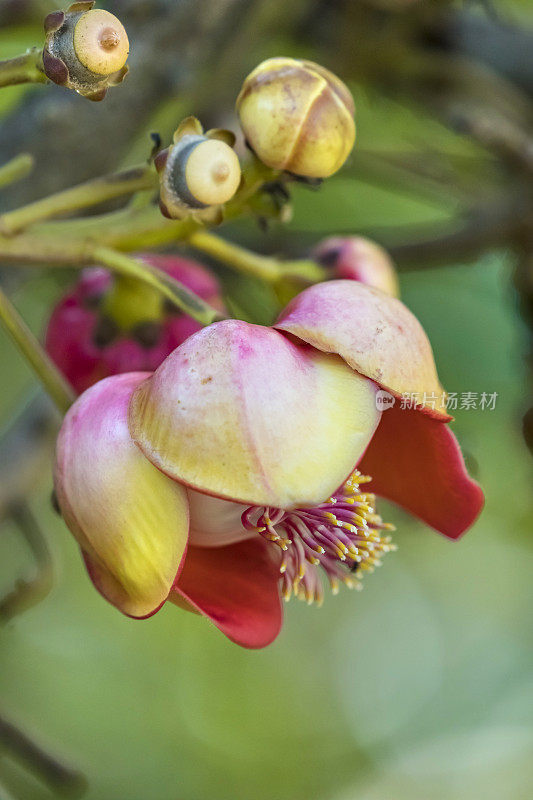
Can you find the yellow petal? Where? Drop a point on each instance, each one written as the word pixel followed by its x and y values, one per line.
pixel 241 412
pixel 130 520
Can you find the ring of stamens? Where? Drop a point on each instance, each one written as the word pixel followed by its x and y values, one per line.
pixel 343 536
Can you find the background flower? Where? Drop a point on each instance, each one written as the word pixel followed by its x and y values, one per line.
pixel 88 342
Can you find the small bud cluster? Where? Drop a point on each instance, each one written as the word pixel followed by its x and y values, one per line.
pixel 297 118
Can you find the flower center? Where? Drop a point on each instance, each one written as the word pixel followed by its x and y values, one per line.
pixel 343 535
pixel 109 38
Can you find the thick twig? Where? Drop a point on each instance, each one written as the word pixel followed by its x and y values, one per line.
pixel 79 197
pixel 495 133
pixel 27 68
pixel 25 447
pixel 500 224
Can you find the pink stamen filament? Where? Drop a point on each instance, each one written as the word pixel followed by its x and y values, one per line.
pixel 340 535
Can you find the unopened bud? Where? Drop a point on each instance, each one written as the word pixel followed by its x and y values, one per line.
pixel 297 116
pixel 358 259
pixel 198 171
pixel 86 49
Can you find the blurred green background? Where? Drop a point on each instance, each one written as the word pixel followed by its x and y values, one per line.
pixel 420 687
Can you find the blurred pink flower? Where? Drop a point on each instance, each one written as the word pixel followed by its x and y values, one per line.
pixel 358 259
pixel 87 345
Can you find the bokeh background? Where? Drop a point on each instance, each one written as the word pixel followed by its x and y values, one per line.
pixel 420 687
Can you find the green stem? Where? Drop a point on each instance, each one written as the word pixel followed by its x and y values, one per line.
pixel 29 592
pixel 16 169
pixel 59 777
pixel 27 68
pixel 172 289
pixel 266 268
pixel 85 195
pixel 69 243
pixel 53 381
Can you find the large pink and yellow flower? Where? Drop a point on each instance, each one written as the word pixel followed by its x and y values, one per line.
pixel 235 474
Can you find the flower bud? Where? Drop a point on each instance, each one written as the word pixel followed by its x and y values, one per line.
pixel 358 259
pixel 105 327
pixel 86 49
pixel 198 171
pixel 297 116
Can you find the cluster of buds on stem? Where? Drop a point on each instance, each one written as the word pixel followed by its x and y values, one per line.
pixel 296 117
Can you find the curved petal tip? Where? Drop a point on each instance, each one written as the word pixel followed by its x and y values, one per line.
pixel 374 333
pixel 416 462
pixel 130 520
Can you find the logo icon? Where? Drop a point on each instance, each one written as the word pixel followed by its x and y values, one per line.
pixel 384 400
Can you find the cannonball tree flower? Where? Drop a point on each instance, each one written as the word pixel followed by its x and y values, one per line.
pixel 104 326
pixel 358 259
pixel 235 473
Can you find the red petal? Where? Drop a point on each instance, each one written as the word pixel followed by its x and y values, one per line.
pixel 236 587
pixel 416 461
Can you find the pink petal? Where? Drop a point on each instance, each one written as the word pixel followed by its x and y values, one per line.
pixel 129 519
pixel 358 259
pixel 416 461
pixel 69 343
pixel 236 587
pixel 92 283
pixel 374 333
pixel 196 277
pixel 240 412
pixel 70 331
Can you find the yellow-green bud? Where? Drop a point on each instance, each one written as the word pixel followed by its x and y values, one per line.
pixel 297 116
